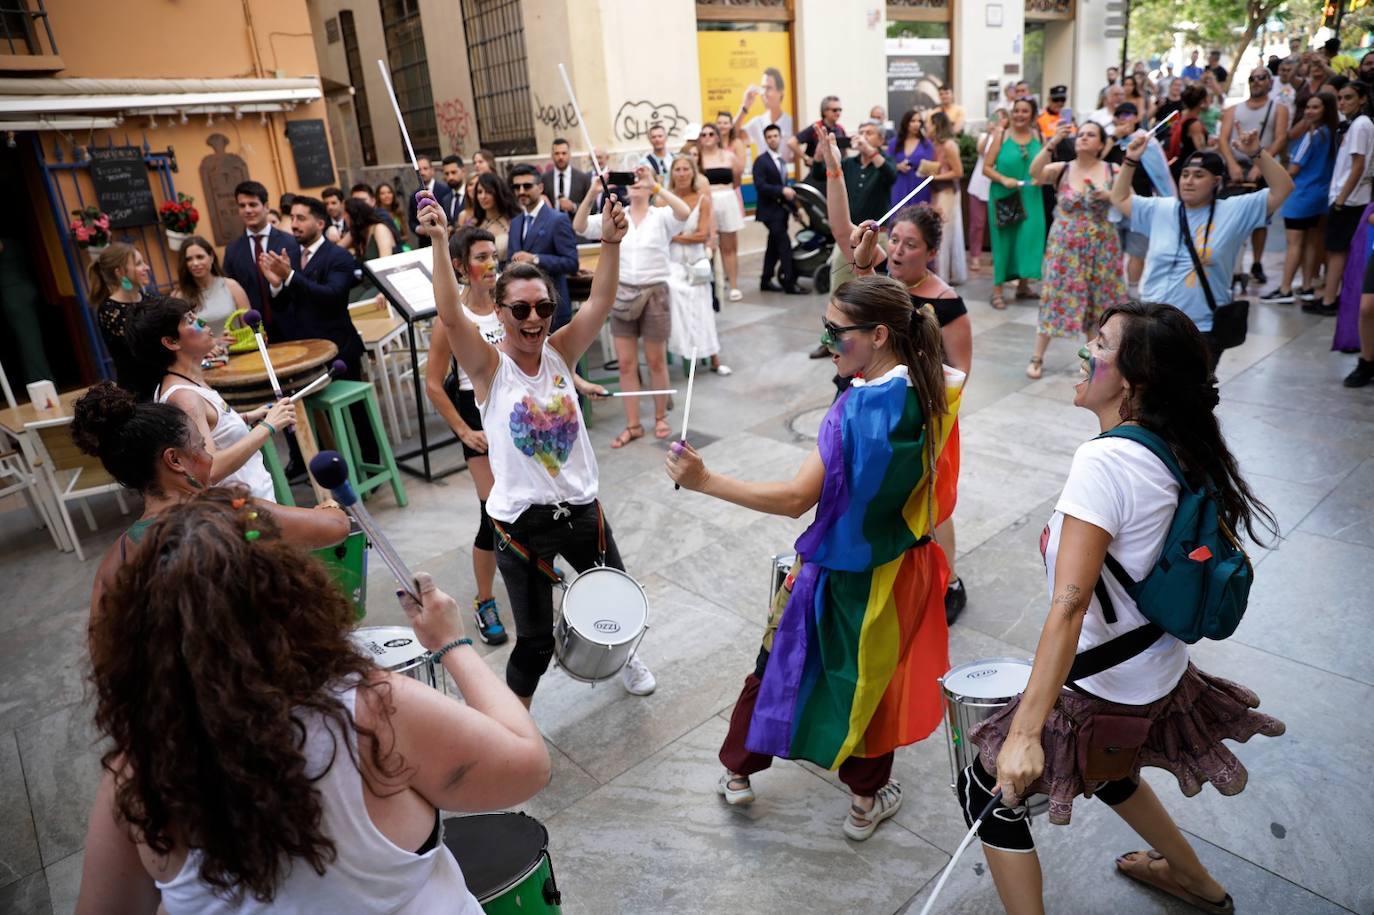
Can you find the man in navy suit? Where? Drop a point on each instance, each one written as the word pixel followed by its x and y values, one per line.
pixel 774 209
pixel 242 256
pixel 437 189
pixel 542 236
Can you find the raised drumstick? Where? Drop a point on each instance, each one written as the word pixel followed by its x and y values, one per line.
pixel 687 409
pixel 582 123
pixel 901 203
pixel 422 197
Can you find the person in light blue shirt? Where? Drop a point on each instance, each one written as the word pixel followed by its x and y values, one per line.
pixel 1219 228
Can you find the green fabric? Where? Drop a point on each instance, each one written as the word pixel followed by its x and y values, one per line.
pixel 1017 250
pixel 869 187
pixel 138 529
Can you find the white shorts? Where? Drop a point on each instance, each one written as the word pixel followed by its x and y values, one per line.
pixel 725 203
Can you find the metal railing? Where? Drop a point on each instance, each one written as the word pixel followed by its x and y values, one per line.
pixel 19 32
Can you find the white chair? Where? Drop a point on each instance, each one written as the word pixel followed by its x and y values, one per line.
pixel 16 476
pixel 82 475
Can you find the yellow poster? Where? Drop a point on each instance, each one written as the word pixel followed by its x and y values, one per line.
pixel 751 70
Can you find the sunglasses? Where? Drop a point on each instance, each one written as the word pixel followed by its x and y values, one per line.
pixel 521 310
pixel 1259 79
pixel 831 333
pixel 522 186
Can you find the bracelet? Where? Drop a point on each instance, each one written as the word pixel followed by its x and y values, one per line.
pixel 1133 163
pixel 604 242
pixel 859 266
pixel 271 428
pixel 439 655
pixel 832 174
pixel 658 188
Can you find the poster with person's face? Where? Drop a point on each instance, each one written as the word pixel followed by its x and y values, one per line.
pixel 749 69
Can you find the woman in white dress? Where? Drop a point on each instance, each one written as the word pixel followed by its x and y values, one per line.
pixel 950 262
pixel 694 321
pixel 200 281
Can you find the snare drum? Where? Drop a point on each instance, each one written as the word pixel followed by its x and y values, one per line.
pixel 976 691
pixel 602 618
pixel 505 862
pixel 779 567
pixel 395 648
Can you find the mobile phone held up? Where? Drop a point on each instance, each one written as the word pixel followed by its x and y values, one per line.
pixel 1066 115
pixel 620 179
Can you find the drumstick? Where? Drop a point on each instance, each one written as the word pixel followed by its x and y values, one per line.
pixel 422 195
pixel 582 122
pixel 267 361
pixel 687 410
pixel 949 868
pixel 1126 140
pixel 328 469
pixel 901 203
pixel 643 393
pixel 336 368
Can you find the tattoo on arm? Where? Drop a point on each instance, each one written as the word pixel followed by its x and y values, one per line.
pixel 1071 600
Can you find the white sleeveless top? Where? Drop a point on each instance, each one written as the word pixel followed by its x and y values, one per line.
pixel 216 304
pixel 493 331
pixel 537 441
pixel 370 874
pixel 228 429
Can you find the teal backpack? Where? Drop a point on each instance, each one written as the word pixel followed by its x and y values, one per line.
pixel 1198 587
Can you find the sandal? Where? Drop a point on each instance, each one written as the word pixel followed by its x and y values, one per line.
pixel 1035 370
pixel 627 435
pixel 1024 291
pixel 666 430
pixel 1137 866
pixel 998 302
pixel 735 796
pixel 860 823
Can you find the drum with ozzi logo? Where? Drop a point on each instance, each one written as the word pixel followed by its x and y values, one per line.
pixel 976 691
pixel 601 621
pixel 397 649
pixel 505 861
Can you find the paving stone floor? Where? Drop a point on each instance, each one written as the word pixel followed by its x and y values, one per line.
pixel 634 820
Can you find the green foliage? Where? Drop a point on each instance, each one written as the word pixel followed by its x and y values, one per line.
pixel 1225 25
pixel 968 152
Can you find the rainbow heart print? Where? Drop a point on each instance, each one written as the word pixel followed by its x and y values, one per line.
pixel 545 433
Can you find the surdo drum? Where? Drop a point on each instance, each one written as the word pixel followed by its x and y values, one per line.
pixel 601 621
pixel 505 861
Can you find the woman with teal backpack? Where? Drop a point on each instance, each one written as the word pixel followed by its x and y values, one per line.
pixel 1155 499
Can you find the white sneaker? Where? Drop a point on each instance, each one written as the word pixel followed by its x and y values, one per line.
pixel 637 678
pixel 735 295
pixel 735 797
pixel 885 804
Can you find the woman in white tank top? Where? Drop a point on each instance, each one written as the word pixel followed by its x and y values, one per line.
pixel 201 282
pixel 543 501
pixel 166 332
pixel 310 812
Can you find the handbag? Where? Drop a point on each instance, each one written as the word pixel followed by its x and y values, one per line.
pixel 699 271
pixel 1109 744
pixel 1009 211
pixel 1231 320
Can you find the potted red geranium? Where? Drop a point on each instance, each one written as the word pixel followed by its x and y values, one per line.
pixel 91 229
pixel 179 219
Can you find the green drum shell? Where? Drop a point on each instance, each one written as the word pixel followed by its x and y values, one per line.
pixel 526 896
pixel 347 566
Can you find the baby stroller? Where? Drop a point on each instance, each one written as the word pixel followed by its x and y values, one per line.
pixel 813 243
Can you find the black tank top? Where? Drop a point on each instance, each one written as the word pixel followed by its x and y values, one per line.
pixel 723 176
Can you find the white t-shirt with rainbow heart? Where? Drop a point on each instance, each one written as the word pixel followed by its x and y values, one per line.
pixel 537 442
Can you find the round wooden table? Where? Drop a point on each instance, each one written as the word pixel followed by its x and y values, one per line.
pixel 243 380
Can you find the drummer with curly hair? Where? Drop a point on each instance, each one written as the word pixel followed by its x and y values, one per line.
pixel 543 500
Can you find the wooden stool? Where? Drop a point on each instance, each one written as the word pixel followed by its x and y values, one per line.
pixel 281 487
pixel 334 402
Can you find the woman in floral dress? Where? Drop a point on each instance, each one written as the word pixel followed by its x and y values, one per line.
pixel 1083 254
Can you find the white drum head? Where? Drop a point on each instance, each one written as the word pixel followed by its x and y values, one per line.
pixel 391 647
pixel 989 678
pixel 605 606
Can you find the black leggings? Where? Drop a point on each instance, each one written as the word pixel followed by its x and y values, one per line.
pixel 542 536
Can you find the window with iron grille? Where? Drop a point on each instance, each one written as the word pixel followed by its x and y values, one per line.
pixel 405 55
pixel 495 34
pixel 356 79
pixel 19 28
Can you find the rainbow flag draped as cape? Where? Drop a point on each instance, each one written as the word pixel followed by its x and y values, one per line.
pixel 862 640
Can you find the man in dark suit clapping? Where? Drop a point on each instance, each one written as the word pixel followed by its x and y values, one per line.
pixel 243 253
pixel 437 189
pixel 774 210
pixel 542 236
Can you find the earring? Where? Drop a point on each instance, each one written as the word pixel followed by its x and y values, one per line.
pixel 1124 410
pixel 126 284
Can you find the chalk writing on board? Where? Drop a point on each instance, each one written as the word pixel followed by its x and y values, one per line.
pixel 121 184
pixel 310 149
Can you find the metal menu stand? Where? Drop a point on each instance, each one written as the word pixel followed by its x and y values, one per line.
pixel 406 281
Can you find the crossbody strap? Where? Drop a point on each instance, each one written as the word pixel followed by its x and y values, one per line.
pixel 1115 651
pixel 1187 235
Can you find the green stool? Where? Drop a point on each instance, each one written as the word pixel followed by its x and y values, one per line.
pixel 281 488
pixel 334 401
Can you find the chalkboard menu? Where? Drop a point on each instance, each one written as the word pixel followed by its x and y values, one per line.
pixel 121 184
pixel 310 149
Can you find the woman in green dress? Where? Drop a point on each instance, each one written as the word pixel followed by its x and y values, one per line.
pixel 368 238
pixel 1018 246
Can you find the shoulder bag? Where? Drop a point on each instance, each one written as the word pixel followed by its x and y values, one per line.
pixel 1229 321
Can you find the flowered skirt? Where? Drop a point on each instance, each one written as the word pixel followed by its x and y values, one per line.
pixel 1190 724
pixel 1082 270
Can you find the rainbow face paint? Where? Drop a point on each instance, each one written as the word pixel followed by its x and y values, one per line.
pixel 1096 368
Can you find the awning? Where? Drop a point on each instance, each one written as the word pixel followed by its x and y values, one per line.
pixel 32 101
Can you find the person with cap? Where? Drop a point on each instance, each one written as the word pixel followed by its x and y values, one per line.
pixel 1217 228
pixel 1261 115
pixel 1055 112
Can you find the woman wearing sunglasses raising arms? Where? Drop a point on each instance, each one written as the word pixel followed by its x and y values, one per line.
pixel 543 499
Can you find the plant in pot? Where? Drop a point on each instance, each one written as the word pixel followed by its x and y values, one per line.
pixel 91 229
pixel 179 219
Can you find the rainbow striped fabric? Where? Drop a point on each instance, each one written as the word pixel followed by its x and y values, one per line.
pixel 862 640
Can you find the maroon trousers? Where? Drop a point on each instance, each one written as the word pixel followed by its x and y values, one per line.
pixel 862 776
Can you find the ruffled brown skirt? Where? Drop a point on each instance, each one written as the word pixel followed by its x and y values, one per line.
pixel 1190 724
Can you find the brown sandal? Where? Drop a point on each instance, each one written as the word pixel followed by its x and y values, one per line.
pixel 1035 370
pixel 627 435
pixel 662 421
pixel 1159 879
pixel 998 302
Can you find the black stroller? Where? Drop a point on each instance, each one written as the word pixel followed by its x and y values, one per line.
pixel 813 243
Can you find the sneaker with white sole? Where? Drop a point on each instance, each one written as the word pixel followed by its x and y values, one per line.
pixel 735 797
pixel 735 295
pixel 637 678
pixel 887 802
pixel 1277 296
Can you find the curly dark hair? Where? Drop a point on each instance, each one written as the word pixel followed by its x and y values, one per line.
pixel 208 651
pixel 1165 359
pixel 927 221
pixel 502 197
pixel 128 436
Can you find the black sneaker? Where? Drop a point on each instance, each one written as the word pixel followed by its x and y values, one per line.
pixel 956 599
pixel 488 620
pixel 1307 295
pixel 1325 309
pixel 1362 375
pixel 1257 271
pixel 1277 296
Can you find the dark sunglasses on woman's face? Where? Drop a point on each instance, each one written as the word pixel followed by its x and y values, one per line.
pixel 521 310
pixel 831 333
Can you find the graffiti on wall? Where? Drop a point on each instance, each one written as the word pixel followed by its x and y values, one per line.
pixel 556 117
pixel 633 120
pixel 454 123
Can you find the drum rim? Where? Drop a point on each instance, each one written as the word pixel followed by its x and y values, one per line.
pixel 564 625
pixel 517 881
pixel 422 658
pixel 524 875
pixel 961 697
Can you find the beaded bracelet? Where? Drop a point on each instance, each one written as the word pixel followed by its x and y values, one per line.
pixel 439 655
pixel 272 430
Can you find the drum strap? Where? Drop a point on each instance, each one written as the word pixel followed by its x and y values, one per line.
pixel 1115 651
pixel 543 565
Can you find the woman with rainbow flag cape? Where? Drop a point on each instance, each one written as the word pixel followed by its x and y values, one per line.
pixel 857 636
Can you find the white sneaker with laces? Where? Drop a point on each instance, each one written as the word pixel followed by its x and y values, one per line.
pixel 887 801
pixel 637 678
